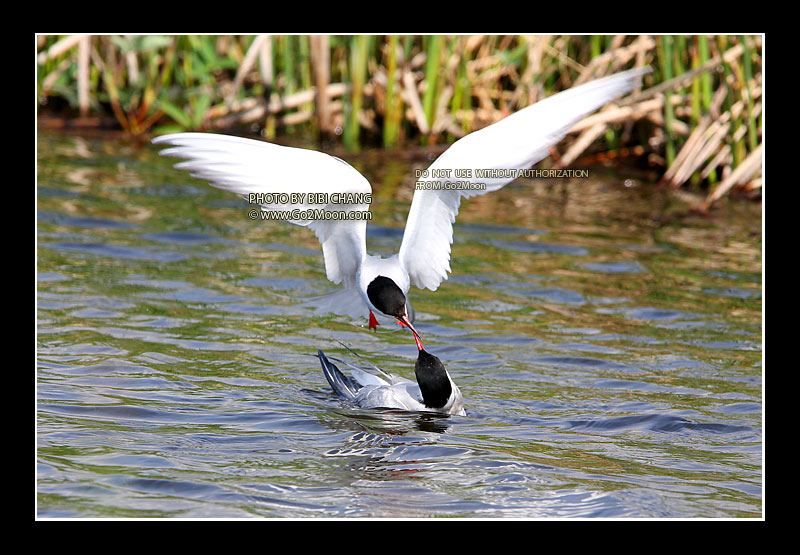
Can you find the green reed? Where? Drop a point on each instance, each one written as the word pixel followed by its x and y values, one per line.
pixel 393 112
pixel 667 61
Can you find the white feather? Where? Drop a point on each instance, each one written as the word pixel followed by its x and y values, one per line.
pixel 514 143
pixel 247 166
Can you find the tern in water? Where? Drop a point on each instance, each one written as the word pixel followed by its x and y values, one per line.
pixel 267 174
pixel 434 391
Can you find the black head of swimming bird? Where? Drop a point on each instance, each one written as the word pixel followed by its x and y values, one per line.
pixel 297 185
pixel 435 390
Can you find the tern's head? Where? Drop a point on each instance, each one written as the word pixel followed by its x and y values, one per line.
pixel 386 296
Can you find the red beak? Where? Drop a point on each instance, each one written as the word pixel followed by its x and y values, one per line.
pixel 404 321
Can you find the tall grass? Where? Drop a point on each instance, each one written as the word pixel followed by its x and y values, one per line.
pixel 699 116
pixel 393 115
pixel 669 114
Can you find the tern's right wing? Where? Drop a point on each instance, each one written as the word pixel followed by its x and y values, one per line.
pixel 246 166
pixel 511 144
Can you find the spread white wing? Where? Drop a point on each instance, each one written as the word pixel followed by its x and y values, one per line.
pixel 513 143
pixel 247 166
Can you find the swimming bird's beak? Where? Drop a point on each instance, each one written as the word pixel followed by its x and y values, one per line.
pixel 404 321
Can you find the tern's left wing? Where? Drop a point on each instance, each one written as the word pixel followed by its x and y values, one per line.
pixel 514 143
pixel 247 166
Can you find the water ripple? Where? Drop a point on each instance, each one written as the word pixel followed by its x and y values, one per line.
pixel 613 371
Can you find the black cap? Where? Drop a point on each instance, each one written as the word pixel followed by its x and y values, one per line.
pixel 386 296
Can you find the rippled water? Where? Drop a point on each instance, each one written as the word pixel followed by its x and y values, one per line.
pixel 607 342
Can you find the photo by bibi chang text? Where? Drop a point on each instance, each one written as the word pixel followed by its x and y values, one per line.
pixel 298 214
pixel 309 198
pixel 312 206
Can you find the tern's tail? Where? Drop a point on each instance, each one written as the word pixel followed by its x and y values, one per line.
pixel 343 386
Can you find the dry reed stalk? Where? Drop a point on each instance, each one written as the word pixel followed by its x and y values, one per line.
pixel 720 158
pixel 696 155
pixel 252 109
pixel 235 106
pixel 246 65
pixel 754 184
pixel 474 42
pixel 441 118
pixel 715 108
pixel 411 98
pixel 367 120
pixel 477 118
pixel 266 66
pixel 583 142
pixel 702 156
pixel 487 62
pixel 321 63
pixel 54 75
pixel 695 158
pixel 84 47
pixel 297 117
pixel 678 126
pixel 59 48
pixel 617 56
pixel 739 133
pixel 618 114
pixel 686 151
pixel 534 68
pixel 621 56
pixel 738 176
pixel 561 57
pixel 265 62
pixel 132 65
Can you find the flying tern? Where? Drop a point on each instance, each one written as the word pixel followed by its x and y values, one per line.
pixel 268 174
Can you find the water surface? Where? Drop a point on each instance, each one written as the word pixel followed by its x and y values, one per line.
pixel 607 341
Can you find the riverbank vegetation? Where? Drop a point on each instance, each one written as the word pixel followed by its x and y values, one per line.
pixel 698 118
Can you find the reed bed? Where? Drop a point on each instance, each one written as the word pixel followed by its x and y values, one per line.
pixel 699 116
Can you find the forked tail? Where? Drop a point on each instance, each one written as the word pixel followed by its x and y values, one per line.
pixel 342 385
